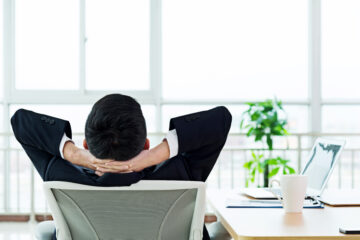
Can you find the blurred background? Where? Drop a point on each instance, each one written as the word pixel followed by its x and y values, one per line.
pixel 180 56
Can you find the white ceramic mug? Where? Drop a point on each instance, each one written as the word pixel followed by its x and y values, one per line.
pixel 293 190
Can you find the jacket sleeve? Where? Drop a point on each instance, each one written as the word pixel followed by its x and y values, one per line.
pixel 39 131
pixel 202 129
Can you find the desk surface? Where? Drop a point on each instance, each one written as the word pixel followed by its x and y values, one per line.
pixel 253 223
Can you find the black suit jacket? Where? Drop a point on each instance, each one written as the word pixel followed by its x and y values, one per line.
pixel 201 137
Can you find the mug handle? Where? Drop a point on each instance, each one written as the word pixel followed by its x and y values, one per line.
pixel 271 188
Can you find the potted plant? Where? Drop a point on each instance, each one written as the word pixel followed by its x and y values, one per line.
pixel 264 120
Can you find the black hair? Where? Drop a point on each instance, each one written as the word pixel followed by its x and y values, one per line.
pixel 115 128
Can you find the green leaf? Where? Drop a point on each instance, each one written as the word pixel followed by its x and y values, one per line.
pixel 249 133
pixel 241 123
pixel 283 161
pixel 269 142
pixel 253 154
pixel 248 164
pixel 252 179
pixel 247 183
pixel 291 170
pixel 247 126
pixel 272 161
pixel 253 172
pixel 255 116
pixel 258 137
pixel 274 171
pixel 250 104
pixel 261 166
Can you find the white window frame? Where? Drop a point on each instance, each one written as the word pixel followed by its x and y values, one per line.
pixel 152 96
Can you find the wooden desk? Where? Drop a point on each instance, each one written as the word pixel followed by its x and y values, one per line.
pixel 255 223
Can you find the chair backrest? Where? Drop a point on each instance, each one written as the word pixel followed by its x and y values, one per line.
pixel 158 210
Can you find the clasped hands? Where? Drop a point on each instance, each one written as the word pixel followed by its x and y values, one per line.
pixel 136 164
pixel 144 159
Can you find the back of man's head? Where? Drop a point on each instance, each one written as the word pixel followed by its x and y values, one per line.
pixel 115 128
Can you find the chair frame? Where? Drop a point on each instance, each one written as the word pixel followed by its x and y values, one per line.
pixel 63 232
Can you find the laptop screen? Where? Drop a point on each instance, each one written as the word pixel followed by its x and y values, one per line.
pixel 321 162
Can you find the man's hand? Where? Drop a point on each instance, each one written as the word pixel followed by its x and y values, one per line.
pixel 144 159
pixel 136 164
pixel 82 157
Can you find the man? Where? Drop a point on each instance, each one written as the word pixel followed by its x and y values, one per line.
pixel 115 142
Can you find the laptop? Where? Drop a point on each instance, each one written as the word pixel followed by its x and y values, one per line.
pixel 322 160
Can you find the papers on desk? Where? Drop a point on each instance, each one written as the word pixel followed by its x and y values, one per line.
pixel 241 203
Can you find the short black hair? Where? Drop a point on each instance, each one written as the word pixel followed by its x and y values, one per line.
pixel 115 128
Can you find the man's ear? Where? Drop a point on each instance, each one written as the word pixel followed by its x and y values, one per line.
pixel 85 144
pixel 147 144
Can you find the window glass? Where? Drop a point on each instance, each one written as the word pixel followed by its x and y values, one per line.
pixel 2 160
pixel 149 115
pixel 2 134
pixel 342 119
pixel 340 48
pixel 1 118
pixel 298 118
pixel 1 50
pixel 77 115
pixel 20 181
pixel 171 111
pixel 47 44
pixel 234 49
pixel 117 47
pixel 345 119
pixel 297 115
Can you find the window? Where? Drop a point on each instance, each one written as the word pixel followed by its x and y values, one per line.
pixel 47 44
pixel 298 118
pixel 1 122
pixel 234 49
pixel 297 115
pixel 340 48
pixel 2 177
pixel 117 47
pixel 341 119
pixel 171 111
pixel 1 51
pixel 19 182
pixel 77 115
pixel 149 115
pixel 214 52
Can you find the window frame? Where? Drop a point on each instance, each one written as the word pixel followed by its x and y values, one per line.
pixel 153 96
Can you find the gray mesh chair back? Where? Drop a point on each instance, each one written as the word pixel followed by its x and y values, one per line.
pixel 159 210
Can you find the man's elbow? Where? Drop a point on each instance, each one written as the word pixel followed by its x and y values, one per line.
pixel 227 119
pixel 17 115
pixel 15 121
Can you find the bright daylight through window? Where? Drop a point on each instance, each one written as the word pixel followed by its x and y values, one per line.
pixel 235 50
pixel 117 44
pixel 340 49
pixel 47 44
pixel 176 57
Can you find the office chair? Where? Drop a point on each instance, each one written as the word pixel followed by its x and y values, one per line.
pixel 159 210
